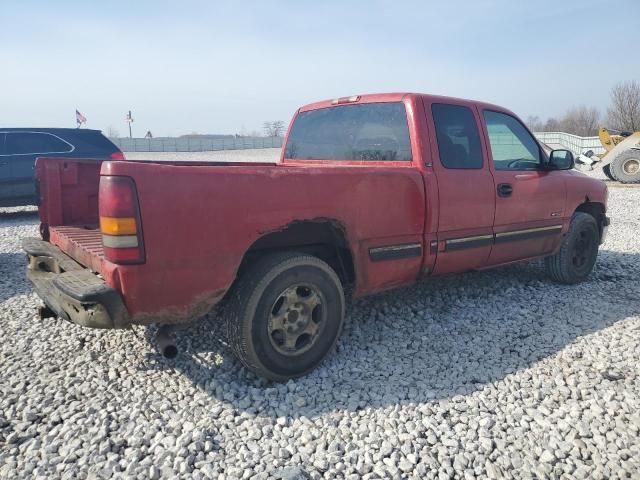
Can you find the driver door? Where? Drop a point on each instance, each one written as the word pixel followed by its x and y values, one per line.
pixel 529 199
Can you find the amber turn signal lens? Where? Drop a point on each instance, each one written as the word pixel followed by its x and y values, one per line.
pixel 118 226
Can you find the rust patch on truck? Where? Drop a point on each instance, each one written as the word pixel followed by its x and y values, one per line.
pixel 180 315
pixel 334 233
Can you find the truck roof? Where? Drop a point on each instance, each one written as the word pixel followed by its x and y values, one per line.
pixel 397 97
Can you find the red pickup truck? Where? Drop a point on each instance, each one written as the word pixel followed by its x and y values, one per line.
pixel 371 192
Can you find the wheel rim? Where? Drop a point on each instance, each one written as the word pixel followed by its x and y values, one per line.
pixel 631 166
pixel 583 250
pixel 296 319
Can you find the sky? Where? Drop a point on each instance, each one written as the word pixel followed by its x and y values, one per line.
pixel 226 67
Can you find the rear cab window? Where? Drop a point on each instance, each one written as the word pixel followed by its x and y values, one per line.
pixel 369 131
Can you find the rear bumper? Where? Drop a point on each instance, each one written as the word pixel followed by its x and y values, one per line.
pixel 72 291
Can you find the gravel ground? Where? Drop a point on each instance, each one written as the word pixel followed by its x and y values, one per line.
pixel 493 374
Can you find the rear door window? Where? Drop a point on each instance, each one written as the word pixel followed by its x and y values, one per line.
pixel 458 136
pixel 22 143
pixel 373 131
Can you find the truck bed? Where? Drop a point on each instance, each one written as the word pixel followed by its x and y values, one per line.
pixel 199 219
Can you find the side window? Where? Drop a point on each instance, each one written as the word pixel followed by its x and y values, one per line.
pixel 34 143
pixel 512 146
pixel 458 136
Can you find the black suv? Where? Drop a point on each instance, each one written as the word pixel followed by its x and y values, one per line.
pixel 19 148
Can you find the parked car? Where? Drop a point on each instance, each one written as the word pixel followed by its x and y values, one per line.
pixel 372 192
pixel 19 148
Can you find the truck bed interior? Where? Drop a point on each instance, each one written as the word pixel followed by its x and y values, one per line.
pixel 69 207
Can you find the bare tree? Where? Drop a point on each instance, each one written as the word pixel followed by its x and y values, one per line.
pixel 268 129
pixel 534 123
pixel 278 128
pixel 273 128
pixel 624 113
pixel 112 132
pixel 551 125
pixel 582 121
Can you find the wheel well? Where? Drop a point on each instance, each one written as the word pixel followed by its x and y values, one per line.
pixel 595 209
pixel 322 238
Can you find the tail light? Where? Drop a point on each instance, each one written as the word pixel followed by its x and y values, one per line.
pixel 117 156
pixel 120 223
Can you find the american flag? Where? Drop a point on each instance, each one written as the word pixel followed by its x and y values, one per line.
pixel 80 118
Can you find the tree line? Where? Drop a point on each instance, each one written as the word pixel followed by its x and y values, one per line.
pixel 623 114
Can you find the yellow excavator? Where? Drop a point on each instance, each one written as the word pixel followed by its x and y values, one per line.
pixel 621 158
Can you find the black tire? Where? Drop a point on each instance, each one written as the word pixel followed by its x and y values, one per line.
pixel 577 255
pixel 251 318
pixel 626 167
pixel 607 171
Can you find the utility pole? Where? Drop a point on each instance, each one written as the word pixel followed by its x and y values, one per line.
pixel 130 121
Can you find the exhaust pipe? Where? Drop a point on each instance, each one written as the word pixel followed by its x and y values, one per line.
pixel 165 343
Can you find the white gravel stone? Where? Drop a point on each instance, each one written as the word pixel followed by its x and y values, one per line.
pixel 491 374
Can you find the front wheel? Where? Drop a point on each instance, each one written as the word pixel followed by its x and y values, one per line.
pixel 285 315
pixel 577 255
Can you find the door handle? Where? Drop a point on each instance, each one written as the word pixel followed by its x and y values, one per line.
pixel 505 189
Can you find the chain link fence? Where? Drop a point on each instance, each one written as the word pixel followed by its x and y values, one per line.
pixel 576 144
pixel 194 144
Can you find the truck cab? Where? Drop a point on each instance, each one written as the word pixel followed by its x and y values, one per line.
pixel 492 194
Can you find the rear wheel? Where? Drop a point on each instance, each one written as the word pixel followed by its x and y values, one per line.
pixel 577 255
pixel 626 167
pixel 285 315
pixel 607 171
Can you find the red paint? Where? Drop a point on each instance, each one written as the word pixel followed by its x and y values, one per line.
pixel 199 219
pixel 68 191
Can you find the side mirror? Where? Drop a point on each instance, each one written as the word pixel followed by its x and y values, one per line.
pixel 561 160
